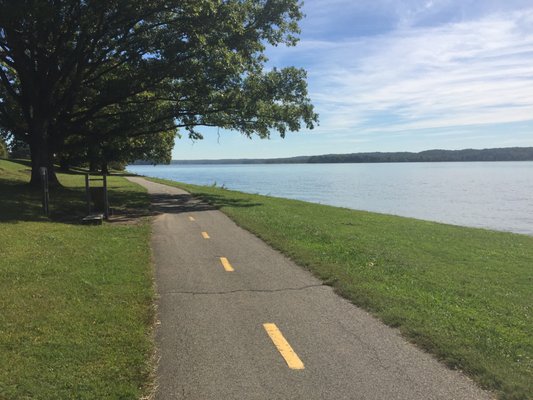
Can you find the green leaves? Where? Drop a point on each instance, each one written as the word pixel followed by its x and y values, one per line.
pixel 115 69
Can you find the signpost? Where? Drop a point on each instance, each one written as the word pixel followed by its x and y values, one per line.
pixel 98 195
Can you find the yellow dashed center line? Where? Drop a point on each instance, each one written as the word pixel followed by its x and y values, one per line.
pixel 191 219
pixel 205 235
pixel 285 349
pixel 225 263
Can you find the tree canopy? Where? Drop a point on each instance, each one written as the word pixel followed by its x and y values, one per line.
pixel 127 73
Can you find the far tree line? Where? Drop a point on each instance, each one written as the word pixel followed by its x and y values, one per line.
pixel 497 154
pixel 112 81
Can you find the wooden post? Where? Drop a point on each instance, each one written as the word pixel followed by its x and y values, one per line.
pixel 88 193
pixel 106 200
pixel 46 193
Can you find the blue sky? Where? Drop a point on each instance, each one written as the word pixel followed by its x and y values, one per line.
pixel 388 75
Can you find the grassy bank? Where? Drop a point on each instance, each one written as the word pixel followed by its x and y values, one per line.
pixel 76 303
pixel 463 294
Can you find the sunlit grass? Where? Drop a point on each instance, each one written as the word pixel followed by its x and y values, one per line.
pixel 76 304
pixel 463 294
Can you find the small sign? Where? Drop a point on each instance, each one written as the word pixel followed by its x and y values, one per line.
pixel 43 171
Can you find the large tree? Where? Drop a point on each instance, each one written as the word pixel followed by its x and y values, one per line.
pixel 65 65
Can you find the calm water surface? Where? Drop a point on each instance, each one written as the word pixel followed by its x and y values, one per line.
pixel 494 195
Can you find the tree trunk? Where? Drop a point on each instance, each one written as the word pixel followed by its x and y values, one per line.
pixel 92 154
pixel 93 166
pixel 64 164
pixel 41 155
pixel 105 169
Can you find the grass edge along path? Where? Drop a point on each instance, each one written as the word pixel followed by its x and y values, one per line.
pixel 463 294
pixel 76 308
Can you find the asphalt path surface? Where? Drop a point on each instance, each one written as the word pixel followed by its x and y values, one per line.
pixel 213 342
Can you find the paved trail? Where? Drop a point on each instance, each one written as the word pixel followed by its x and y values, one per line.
pixel 214 343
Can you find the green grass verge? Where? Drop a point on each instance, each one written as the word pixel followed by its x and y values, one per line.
pixel 463 294
pixel 76 305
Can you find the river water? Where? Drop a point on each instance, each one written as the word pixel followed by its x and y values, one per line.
pixel 494 195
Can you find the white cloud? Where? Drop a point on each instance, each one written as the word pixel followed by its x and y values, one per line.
pixel 456 74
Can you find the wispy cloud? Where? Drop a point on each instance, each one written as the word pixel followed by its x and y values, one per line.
pixel 474 72
pixel 390 75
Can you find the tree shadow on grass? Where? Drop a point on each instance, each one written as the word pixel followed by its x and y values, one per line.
pixel 21 161
pixel 218 201
pixel 21 202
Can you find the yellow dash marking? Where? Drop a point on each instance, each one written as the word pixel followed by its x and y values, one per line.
pixel 285 349
pixel 205 235
pixel 191 219
pixel 225 263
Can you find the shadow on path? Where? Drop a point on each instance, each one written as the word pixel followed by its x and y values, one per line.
pixel 177 203
pixel 181 203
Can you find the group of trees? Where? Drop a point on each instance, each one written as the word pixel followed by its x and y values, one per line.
pixel 96 81
pixel 498 154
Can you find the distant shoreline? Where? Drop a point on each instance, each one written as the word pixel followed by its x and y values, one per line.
pixel 466 155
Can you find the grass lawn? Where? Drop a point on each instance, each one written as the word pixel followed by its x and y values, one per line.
pixel 463 294
pixel 76 301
